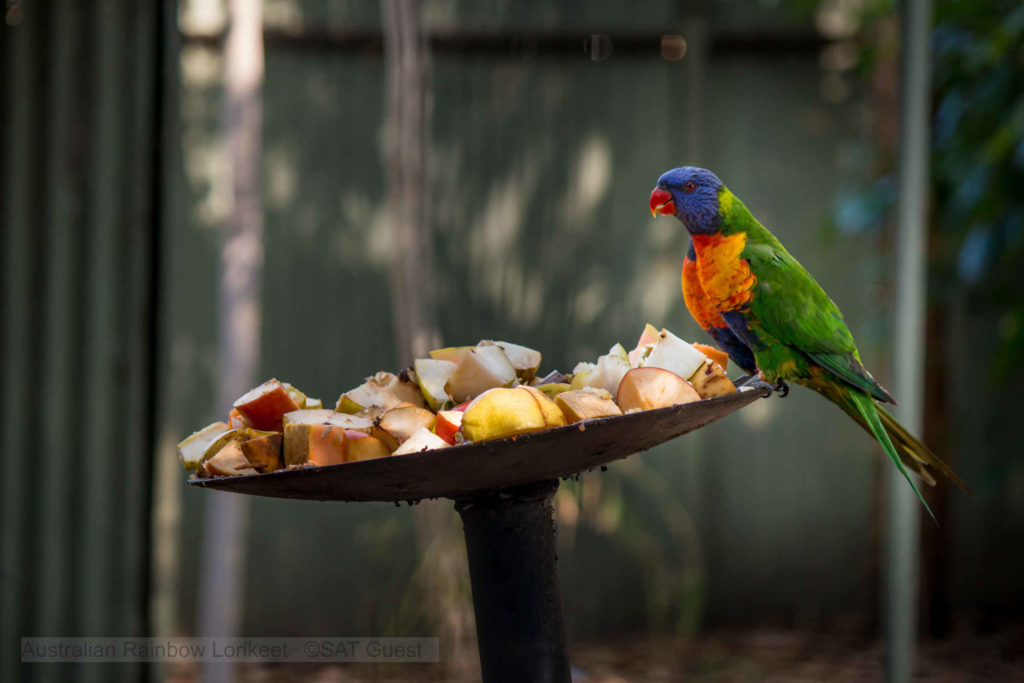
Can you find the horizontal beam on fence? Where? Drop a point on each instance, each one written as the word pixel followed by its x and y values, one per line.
pixel 526 44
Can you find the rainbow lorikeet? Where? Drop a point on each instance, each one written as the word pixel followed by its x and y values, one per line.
pixel 775 312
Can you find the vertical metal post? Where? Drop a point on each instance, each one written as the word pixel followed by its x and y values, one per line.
pixel 904 509
pixel 510 543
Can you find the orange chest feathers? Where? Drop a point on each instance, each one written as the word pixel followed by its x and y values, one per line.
pixel 725 276
pixel 697 302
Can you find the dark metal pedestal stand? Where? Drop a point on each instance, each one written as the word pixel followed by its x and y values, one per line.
pixel 510 542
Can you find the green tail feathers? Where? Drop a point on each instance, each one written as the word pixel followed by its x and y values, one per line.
pixel 901 446
pixel 865 405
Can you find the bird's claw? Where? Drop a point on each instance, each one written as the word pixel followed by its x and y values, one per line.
pixel 755 382
pixel 782 388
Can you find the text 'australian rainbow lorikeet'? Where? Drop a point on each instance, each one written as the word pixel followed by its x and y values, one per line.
pixel 767 312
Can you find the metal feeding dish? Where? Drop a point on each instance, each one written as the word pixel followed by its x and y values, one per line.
pixel 459 471
pixel 503 491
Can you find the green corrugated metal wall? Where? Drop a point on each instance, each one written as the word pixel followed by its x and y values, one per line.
pixel 78 212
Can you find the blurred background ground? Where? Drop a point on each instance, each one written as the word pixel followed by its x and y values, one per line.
pixel 737 655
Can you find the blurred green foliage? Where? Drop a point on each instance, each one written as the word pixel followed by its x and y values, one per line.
pixel 977 152
pixel 978 158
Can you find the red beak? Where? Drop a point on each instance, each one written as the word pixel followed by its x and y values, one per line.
pixel 661 202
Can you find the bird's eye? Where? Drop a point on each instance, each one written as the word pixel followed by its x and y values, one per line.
pixel 690 186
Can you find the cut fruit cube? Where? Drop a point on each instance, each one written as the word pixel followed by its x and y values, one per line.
pixel 316 444
pixel 605 374
pixel 421 440
pixel 525 360
pixel 675 355
pixel 264 405
pixel 398 424
pixel 717 355
pixel 452 354
pixel 432 375
pixel 586 403
pixel 448 424
pixel 324 416
pixel 230 461
pixel 360 446
pixel 650 388
pixel 500 413
pixel 384 389
pixel 264 452
pixel 193 447
pixel 481 368
pixel 712 381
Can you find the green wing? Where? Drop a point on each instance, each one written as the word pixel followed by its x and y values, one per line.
pixel 790 306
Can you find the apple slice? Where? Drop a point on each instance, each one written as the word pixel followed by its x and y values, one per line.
pixel 712 381
pixel 673 354
pixel 432 375
pixel 481 368
pixel 384 389
pixel 264 452
pixel 360 446
pixel 650 388
pixel 586 403
pixel 499 413
pixel 649 336
pixel 317 444
pixel 325 416
pixel 421 440
pixel 229 461
pixel 298 398
pixel 264 405
pixel 448 424
pixel 313 404
pixel 398 424
pixel 192 448
pixel 525 360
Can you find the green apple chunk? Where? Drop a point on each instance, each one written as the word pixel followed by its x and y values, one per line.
pixel 481 368
pixel 432 375
pixel 191 449
pixel 675 355
pixel 525 360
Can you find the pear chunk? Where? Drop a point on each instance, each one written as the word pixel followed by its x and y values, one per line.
pixel 711 381
pixel 481 368
pixel 384 389
pixel 500 412
pixel 525 360
pixel 432 376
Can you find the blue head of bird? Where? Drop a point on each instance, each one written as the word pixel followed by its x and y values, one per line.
pixel 690 194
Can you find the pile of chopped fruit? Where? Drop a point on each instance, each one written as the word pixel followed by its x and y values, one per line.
pixel 459 395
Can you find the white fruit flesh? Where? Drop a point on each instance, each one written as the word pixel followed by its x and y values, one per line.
pixel 421 440
pixel 675 355
pixel 525 360
pixel 481 368
pixel 192 448
pixel 324 416
pixel 432 375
